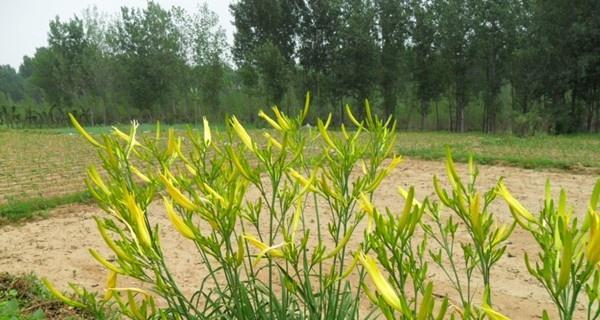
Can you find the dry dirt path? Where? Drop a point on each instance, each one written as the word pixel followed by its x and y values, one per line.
pixel 56 247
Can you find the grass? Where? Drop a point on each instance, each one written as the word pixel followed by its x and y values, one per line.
pixel 26 298
pixel 576 152
pixel 26 209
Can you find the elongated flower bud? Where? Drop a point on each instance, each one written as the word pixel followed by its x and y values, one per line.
pixel 493 314
pixel 111 283
pixel 272 122
pixel 95 177
pixel 61 296
pixel 176 194
pixel 105 262
pixel 84 133
pixel 593 245
pixel 139 219
pixel 242 133
pixel 522 215
pixel 382 285
pixel 177 221
pixel 351 117
pixel 207 134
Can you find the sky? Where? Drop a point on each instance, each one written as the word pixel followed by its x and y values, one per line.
pixel 24 23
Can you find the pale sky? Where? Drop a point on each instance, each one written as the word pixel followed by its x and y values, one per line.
pixel 24 23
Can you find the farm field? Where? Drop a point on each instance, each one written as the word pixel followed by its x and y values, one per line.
pixel 50 163
pixel 61 253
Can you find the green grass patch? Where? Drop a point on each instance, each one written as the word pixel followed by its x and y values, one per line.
pixel 575 152
pixel 29 208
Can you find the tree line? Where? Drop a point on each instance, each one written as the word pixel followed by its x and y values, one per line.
pixel 523 66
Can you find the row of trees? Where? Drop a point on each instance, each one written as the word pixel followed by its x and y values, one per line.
pixel 520 65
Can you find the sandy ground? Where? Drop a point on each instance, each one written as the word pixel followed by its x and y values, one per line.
pixel 56 247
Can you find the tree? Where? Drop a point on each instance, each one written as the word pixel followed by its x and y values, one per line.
pixel 357 64
pixel 11 83
pixel 425 67
pixel 456 33
pixel 318 44
pixel 393 26
pixel 264 41
pixel 147 44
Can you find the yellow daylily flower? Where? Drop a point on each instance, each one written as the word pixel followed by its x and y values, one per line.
pixel 306 183
pixel 323 131
pixel 351 117
pixel 139 174
pixel 157 135
pixel 340 245
pixel 84 133
pixel 272 251
pixel 306 105
pixel 272 141
pixel 272 122
pixel 171 142
pixel 176 194
pixel 207 134
pixel 105 262
pixel 242 133
pixel 493 314
pixel 110 243
pixel 95 176
pixel 382 285
pixel 516 208
pixel 369 208
pixel 215 194
pixel 111 282
pixel 281 119
pixel 139 218
pixel 61 296
pixel 593 245
pixel 441 193
pixel 475 215
pixel 177 221
pixel 451 171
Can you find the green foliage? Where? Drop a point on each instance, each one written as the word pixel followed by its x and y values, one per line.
pixel 476 65
pixel 24 297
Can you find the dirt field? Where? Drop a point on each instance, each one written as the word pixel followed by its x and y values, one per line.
pixel 57 247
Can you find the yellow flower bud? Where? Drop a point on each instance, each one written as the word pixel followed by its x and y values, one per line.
pixel 95 176
pixel 207 135
pixel 493 314
pixel 281 119
pixel 105 262
pixel 177 221
pixel 351 117
pixel 60 296
pixel 242 133
pixel 111 282
pixel 84 133
pixel 382 285
pixel 516 208
pixel 593 245
pixel 176 194
pixel 272 122
pixel 139 219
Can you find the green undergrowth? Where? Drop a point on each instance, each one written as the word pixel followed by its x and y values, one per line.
pixel 29 208
pixel 24 297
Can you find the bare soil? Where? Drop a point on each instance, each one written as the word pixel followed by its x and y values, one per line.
pixel 56 247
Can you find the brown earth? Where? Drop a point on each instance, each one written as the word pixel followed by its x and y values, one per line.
pixel 56 247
